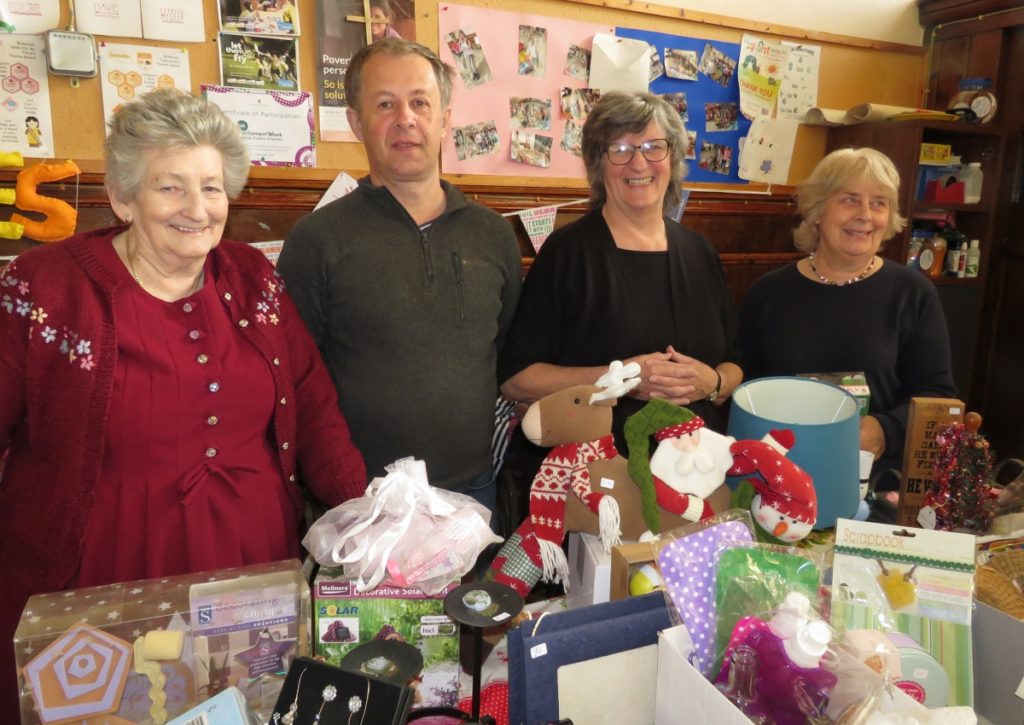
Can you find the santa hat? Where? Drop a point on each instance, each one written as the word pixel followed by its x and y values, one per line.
pixel 782 484
pixel 657 418
pixel 680 429
pixel 781 439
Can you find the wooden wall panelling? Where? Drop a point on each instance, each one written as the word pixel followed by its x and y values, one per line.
pixel 753 235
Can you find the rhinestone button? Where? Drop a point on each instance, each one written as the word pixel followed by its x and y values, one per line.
pixel 284 446
pixel 277 361
pixel 214 386
pixel 292 478
pixel 284 401
pixel 194 334
pixel 202 358
pixel 211 452
pixel 212 420
pixel 187 307
pixel 243 323
pixel 227 296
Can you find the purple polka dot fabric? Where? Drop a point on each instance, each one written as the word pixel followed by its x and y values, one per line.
pixel 688 568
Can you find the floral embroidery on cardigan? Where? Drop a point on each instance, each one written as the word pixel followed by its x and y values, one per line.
pixel 72 345
pixel 269 307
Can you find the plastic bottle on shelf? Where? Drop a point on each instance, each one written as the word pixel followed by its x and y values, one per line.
pixel 918 237
pixel 961 261
pixel 933 253
pixel 972 177
pixel 973 260
pixel 952 263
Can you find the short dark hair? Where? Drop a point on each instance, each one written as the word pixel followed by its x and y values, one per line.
pixel 617 113
pixel 443 72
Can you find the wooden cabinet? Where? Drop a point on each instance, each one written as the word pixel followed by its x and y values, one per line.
pixel 901 141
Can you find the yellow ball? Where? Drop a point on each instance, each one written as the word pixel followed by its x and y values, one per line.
pixel 645 580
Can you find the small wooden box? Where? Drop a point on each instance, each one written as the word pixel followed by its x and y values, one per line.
pixel 926 416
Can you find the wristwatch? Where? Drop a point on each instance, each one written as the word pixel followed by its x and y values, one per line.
pixel 718 387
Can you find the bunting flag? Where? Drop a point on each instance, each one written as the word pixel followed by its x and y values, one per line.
pixel 539 223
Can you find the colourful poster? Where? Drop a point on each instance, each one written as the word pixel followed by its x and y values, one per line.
pixel 25 123
pixel 341 29
pixel 259 62
pixel 762 63
pixel 127 71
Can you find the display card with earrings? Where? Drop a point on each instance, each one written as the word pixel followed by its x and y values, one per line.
pixel 315 692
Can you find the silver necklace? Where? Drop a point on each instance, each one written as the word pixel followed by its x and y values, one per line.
pixel 826 280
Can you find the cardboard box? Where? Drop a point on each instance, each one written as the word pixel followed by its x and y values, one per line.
pixel 926 416
pixel 590 571
pixel 998 665
pixel 855 383
pixel 626 559
pixel 238 627
pixel 683 695
pixel 344 618
pixel 937 154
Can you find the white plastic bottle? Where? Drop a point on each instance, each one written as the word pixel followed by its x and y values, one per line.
pixel 973 260
pixel 971 175
pixel 961 261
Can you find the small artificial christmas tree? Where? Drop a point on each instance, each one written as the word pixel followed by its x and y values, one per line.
pixel 960 492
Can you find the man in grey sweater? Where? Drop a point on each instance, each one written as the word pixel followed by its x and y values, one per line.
pixel 407 286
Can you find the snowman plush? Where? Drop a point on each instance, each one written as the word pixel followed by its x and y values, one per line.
pixel 779 494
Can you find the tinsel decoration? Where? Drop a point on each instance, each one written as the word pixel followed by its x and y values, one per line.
pixel 960 492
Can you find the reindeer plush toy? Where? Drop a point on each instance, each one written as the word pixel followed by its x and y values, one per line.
pixel 585 485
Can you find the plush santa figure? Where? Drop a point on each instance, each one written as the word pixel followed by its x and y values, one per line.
pixel 779 494
pixel 688 465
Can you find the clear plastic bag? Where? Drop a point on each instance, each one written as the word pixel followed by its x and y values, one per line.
pixel 403 532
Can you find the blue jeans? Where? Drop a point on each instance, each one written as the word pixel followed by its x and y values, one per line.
pixel 484 489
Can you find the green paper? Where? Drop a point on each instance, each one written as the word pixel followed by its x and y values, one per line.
pixel 754 581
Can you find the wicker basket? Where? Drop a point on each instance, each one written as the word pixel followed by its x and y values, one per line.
pixel 1000 582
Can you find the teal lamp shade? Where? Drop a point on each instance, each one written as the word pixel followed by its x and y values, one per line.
pixel 826 422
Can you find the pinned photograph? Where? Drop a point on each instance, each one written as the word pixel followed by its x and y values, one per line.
pixel 572 139
pixel 469 57
pixel 261 62
pixel 531 149
pixel 715 158
pixel 577 63
pixel 691 146
pixel 274 17
pixel 533 51
pixel 476 139
pixel 681 64
pixel 657 69
pixel 577 102
pixel 717 66
pixel 678 102
pixel 721 116
pixel 529 113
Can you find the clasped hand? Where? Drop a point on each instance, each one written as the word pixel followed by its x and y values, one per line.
pixel 674 377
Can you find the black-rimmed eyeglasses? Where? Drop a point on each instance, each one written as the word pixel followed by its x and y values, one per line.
pixel 621 154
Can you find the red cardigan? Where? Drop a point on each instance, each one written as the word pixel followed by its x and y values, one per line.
pixel 57 357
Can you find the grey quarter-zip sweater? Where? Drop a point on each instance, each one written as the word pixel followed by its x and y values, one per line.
pixel 409 321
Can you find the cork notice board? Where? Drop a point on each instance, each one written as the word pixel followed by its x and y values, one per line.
pixel 849 73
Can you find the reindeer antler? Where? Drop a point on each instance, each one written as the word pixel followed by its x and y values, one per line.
pixel 618 381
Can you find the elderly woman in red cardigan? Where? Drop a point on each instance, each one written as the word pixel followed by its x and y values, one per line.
pixel 162 406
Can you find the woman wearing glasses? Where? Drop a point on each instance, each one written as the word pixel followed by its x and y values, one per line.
pixel 624 282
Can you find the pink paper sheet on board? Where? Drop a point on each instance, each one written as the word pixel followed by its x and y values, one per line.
pixel 498 33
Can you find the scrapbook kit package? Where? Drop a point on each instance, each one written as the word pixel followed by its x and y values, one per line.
pixel 915 585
